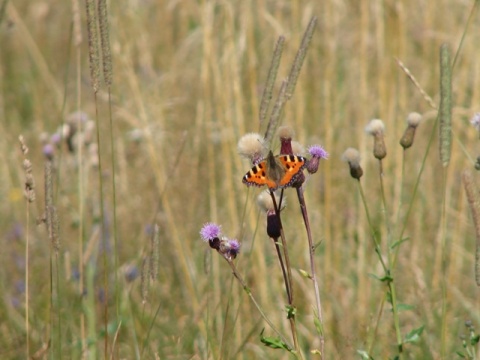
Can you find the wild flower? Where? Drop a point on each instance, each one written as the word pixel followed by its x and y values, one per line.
pixel 317 152
pixel 228 248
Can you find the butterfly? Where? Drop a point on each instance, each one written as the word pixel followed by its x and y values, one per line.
pixel 275 171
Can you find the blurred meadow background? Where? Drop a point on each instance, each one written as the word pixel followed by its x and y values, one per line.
pixel 130 277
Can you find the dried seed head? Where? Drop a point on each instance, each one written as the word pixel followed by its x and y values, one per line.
pixel 298 148
pixel 413 120
pixel 286 134
pixel 352 156
pixel 376 128
pixel 264 200
pixel 251 146
pixel 23 147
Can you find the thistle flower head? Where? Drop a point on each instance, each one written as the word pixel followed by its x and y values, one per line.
pixel 210 231
pixel 286 134
pixel 375 127
pixel 317 152
pixel 414 119
pixel 48 151
pixel 352 156
pixel 251 146
pixel 229 248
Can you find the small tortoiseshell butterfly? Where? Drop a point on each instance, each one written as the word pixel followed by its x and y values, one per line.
pixel 275 171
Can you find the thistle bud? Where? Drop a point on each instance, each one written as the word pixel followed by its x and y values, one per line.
pixel 413 120
pixel 376 128
pixel 352 156
pixel 286 134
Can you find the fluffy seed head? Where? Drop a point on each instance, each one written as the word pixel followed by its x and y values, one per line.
pixel 251 146
pixel 298 148
pixel 352 156
pixel 375 127
pixel 414 119
pixel 264 200
pixel 286 132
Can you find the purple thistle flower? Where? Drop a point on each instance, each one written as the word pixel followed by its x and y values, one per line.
pixel 234 246
pixel 210 231
pixel 475 121
pixel 318 151
pixel 48 151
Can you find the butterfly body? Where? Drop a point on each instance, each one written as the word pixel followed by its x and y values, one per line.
pixel 275 171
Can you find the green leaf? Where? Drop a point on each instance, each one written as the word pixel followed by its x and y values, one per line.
pixel 398 242
pixel 364 355
pixel 291 311
pixel 318 324
pixel 414 335
pixel 386 278
pixel 273 342
pixel 474 340
pixel 403 307
pixel 462 355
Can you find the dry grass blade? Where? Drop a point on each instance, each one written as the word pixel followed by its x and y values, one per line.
pixel 412 78
pixel 272 75
pixel 445 112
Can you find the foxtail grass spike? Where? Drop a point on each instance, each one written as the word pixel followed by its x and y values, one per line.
pixel 445 112
pixel 275 115
pixel 272 75
pixel 77 28
pixel 144 280
pixel 298 62
pixel 473 198
pixel 105 42
pixel 51 217
pixel 155 253
pixel 93 51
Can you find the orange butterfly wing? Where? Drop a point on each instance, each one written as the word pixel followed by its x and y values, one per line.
pixel 292 165
pixel 257 176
